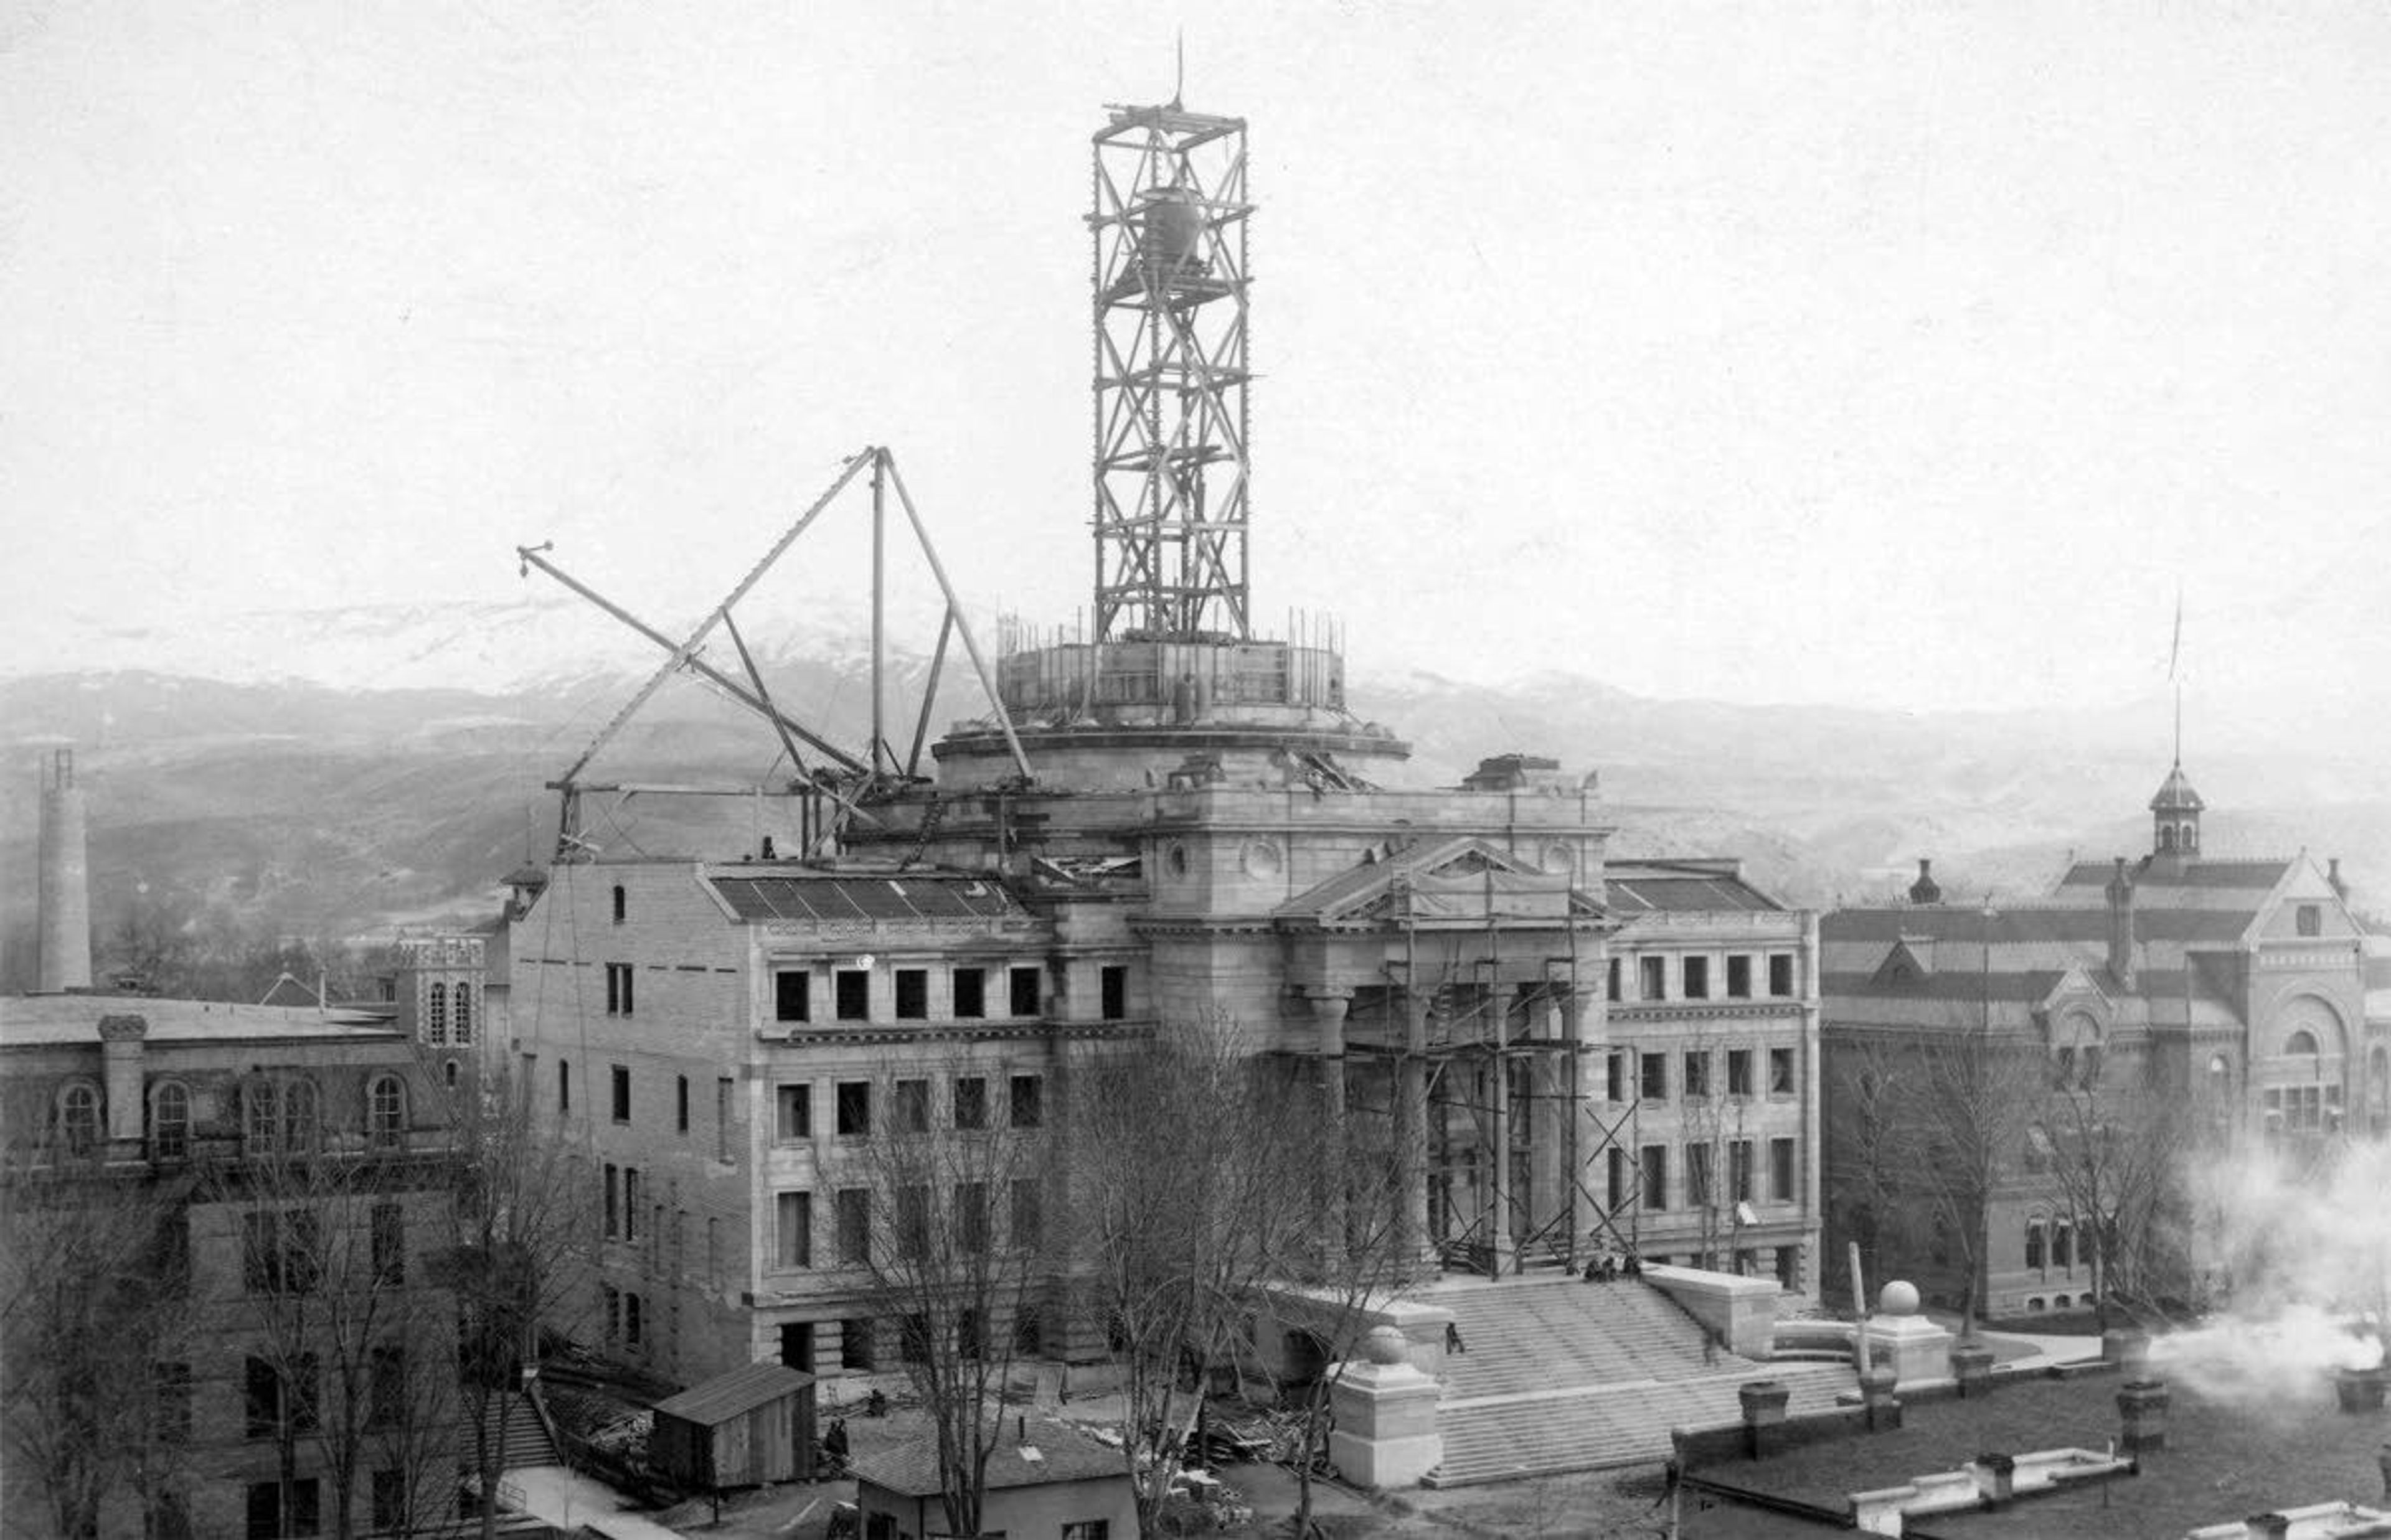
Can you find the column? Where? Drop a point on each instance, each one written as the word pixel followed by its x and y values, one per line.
pixel 1411 1126
pixel 1328 1011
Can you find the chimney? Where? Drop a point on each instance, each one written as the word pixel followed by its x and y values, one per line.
pixel 2121 924
pixel 121 1039
pixel 2333 875
pixel 1925 890
pixel 64 883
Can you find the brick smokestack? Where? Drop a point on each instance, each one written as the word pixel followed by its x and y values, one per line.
pixel 2121 924
pixel 65 882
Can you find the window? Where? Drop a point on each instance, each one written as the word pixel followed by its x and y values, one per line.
pixel 631 1333
pixel 614 1209
pixel 970 1217
pixel 1610 984
pixel 722 1110
pixel 1652 975
pixel 1088 1528
pixel 2063 1072
pixel 2308 920
pixel 1738 977
pixel 620 1075
pixel 793 996
pixel 261 1400
pixel 1614 1075
pixel 971 1103
pixel 2062 1245
pixel 631 1203
pixel 795 1118
pixel 386 1385
pixel 1697 1073
pixel 385 1112
pixel 613 1311
pixel 1784 1177
pixel 390 1505
pixel 1114 986
pixel 462 1030
pixel 170 1123
pixel 271 1518
pixel 1028 1331
pixel 913 1338
pixel 855 1346
pixel 914 1221
pixel 1654 1193
pixel 279 1117
pixel 1028 1215
pixel 1698 1175
pixel 389 1226
pixel 564 1087
pixel 276 1403
pixel 855 1108
pixel 1739 1072
pixel 1024 985
pixel 280 1251
pixel 1781 1072
pixel 1738 1171
pixel 971 994
pixel 1698 978
pixel 681 1104
pixel 854 986
pixel 1655 1076
pixel 1781 973
pixel 912 993
pixel 171 1411
pixel 854 1225
pixel 794 1227
pixel 2034 1252
pixel 1615 1178
pixel 435 1014
pixel 622 905
pixel 169 1517
pixel 618 989
pixel 1029 1101
pixel 913 1107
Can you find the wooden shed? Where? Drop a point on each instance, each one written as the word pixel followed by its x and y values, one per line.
pixel 750 1426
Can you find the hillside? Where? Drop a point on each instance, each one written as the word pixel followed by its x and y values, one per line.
pixel 290 805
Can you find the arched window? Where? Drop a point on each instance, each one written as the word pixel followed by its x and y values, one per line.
pixel 435 1014
pixel 79 1118
pixel 298 1115
pixel 2091 1065
pixel 448 1070
pixel 463 1029
pixel 2062 1245
pixel 261 1115
pixel 170 1122
pixel 622 909
pixel 2301 1042
pixel 385 1112
pixel 2166 837
pixel 279 1117
pixel 2034 1253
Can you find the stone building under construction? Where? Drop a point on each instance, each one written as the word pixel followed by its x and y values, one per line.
pixel 1172 818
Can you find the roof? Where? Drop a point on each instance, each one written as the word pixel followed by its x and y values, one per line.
pixel 1062 1454
pixel 32 1020
pixel 2175 794
pixel 734 1395
pixel 802 894
pixel 1634 888
pixel 2248 1457
pixel 2157 881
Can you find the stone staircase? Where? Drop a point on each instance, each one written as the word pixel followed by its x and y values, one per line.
pixel 1562 1375
pixel 523 1442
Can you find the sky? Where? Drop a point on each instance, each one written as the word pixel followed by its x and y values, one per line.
pixel 1912 355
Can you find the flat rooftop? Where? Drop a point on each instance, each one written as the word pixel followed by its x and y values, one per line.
pixel 38 1021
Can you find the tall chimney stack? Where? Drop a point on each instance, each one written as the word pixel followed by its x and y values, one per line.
pixel 65 882
pixel 2121 924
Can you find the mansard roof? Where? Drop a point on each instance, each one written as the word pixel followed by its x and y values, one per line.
pixel 812 895
pixel 1633 888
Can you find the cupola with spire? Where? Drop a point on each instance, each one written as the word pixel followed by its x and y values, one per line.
pixel 2175 815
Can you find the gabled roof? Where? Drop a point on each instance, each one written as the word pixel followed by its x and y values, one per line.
pixel 734 1395
pixel 1461 879
pixel 1056 1452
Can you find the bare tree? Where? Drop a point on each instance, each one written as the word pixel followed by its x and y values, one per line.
pixel 1866 1170
pixel 350 1325
pixel 1976 1097
pixel 1189 1196
pixel 520 1232
pixel 1718 1149
pixel 95 1322
pixel 2117 1157
pixel 954 1242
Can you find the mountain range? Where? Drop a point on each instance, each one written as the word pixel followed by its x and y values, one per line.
pixel 345 772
